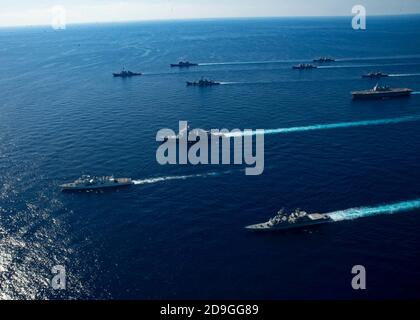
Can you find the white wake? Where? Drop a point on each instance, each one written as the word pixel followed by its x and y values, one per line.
pixel 356 213
pixel 328 126
pixel 181 177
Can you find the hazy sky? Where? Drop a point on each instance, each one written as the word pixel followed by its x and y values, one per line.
pixel 38 12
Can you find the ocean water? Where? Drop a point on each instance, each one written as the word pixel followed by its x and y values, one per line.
pixel 178 232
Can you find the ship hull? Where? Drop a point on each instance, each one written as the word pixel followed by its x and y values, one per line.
pixel 184 66
pixel 122 182
pixel 374 77
pixel 208 134
pixel 264 227
pixel 194 84
pixel 381 95
pixel 117 75
pixel 288 227
pixel 70 188
pixel 300 68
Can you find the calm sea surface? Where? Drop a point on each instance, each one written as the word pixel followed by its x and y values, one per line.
pixel 179 233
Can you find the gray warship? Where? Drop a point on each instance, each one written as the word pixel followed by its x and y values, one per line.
pixel 87 182
pixel 324 59
pixel 126 74
pixel 304 66
pixel 374 75
pixel 380 92
pixel 183 64
pixel 203 83
pixel 297 219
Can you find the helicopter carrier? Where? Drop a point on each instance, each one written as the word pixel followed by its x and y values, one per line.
pixel 380 92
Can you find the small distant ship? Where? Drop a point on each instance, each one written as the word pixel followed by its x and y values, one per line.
pixel 203 83
pixel 87 182
pixel 324 59
pixel 304 66
pixel 127 74
pixel 379 92
pixel 183 64
pixel 298 219
pixel 374 75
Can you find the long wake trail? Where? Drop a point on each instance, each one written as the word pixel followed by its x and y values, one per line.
pixel 245 62
pixel 300 60
pixel 396 57
pixel 356 213
pixel 283 81
pixel 329 126
pixel 405 75
pixel 180 177
pixel 366 65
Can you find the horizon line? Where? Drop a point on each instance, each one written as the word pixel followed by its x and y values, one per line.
pixel 201 19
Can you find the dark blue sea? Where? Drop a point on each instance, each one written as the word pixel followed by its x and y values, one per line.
pixel 179 232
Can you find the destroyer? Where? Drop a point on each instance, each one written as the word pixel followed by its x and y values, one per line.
pixel 90 183
pixel 324 59
pixel 203 83
pixel 127 74
pixel 214 147
pixel 374 75
pixel 184 133
pixel 379 92
pixel 297 219
pixel 304 66
pixel 183 64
